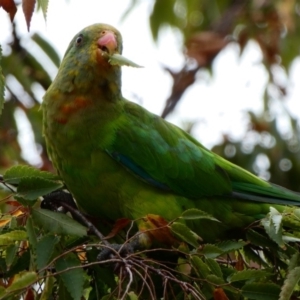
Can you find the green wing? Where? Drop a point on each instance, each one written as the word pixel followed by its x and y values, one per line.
pixel 167 157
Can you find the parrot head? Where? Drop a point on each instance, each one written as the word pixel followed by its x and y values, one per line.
pixel 94 45
pixel 94 55
pixel 97 44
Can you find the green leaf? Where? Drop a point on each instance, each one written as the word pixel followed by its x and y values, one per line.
pixel 195 214
pixel 48 287
pixel 2 292
pixel 209 286
pixel 104 278
pixel 214 279
pixel 108 297
pixel 211 251
pixel 22 280
pixel 13 236
pixel 276 218
pixel 296 212
pixel 163 14
pixel 11 254
pixel 30 188
pixel 117 59
pixel 73 279
pixel 45 249
pixel 228 246
pixel 13 224
pixel 253 256
pixel 273 228
pixel 184 268
pixel 290 283
pixel 290 239
pixel 16 173
pixel 261 291
pixel 291 218
pixel 43 4
pixel 259 239
pixel 22 263
pixel 294 261
pixel 23 201
pixel 57 223
pixel 18 73
pixel 45 46
pixel 63 293
pixel 32 237
pixel 129 9
pixel 132 296
pixel 214 267
pixel 201 268
pixel 248 275
pixel 2 84
pixel 185 234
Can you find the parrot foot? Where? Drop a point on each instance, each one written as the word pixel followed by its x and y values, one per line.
pixel 55 201
pixel 119 250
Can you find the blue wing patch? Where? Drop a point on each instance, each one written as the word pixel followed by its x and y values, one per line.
pixel 137 170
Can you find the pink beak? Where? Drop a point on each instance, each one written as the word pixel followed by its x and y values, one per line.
pixel 108 40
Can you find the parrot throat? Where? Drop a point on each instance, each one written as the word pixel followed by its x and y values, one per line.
pixel 79 92
pixel 104 86
pixel 86 77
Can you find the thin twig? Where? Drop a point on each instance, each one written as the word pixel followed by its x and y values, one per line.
pixel 144 279
pixel 127 268
pixel 145 269
pixel 6 184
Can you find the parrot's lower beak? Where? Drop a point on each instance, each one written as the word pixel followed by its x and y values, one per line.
pixel 108 46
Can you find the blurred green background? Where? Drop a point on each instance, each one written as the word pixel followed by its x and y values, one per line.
pixel 207 27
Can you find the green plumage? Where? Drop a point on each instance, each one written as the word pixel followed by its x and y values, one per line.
pixel 121 161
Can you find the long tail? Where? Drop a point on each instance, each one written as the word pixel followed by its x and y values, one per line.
pixel 267 194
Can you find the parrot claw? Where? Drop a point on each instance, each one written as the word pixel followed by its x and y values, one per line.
pixel 118 250
pixel 54 201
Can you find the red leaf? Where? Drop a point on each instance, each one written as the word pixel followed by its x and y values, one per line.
pixel 29 295
pixel 13 203
pixel 28 8
pixel 118 226
pixel 240 263
pixel 204 46
pixel 10 7
pixel 219 294
pixel 157 229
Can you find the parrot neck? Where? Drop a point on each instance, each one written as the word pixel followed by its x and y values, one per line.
pixel 102 83
pixel 76 94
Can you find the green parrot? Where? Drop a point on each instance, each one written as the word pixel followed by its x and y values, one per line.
pixel 121 161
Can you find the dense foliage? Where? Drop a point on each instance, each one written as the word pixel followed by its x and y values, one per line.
pixel 46 254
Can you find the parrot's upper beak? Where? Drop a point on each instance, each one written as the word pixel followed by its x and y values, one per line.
pixel 107 42
pixel 110 50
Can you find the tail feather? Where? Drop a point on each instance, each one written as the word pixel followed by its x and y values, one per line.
pixel 266 194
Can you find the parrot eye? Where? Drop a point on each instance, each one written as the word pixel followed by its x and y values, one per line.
pixel 79 40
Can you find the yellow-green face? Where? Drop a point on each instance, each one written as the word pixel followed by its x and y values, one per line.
pixel 97 47
pixel 95 44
